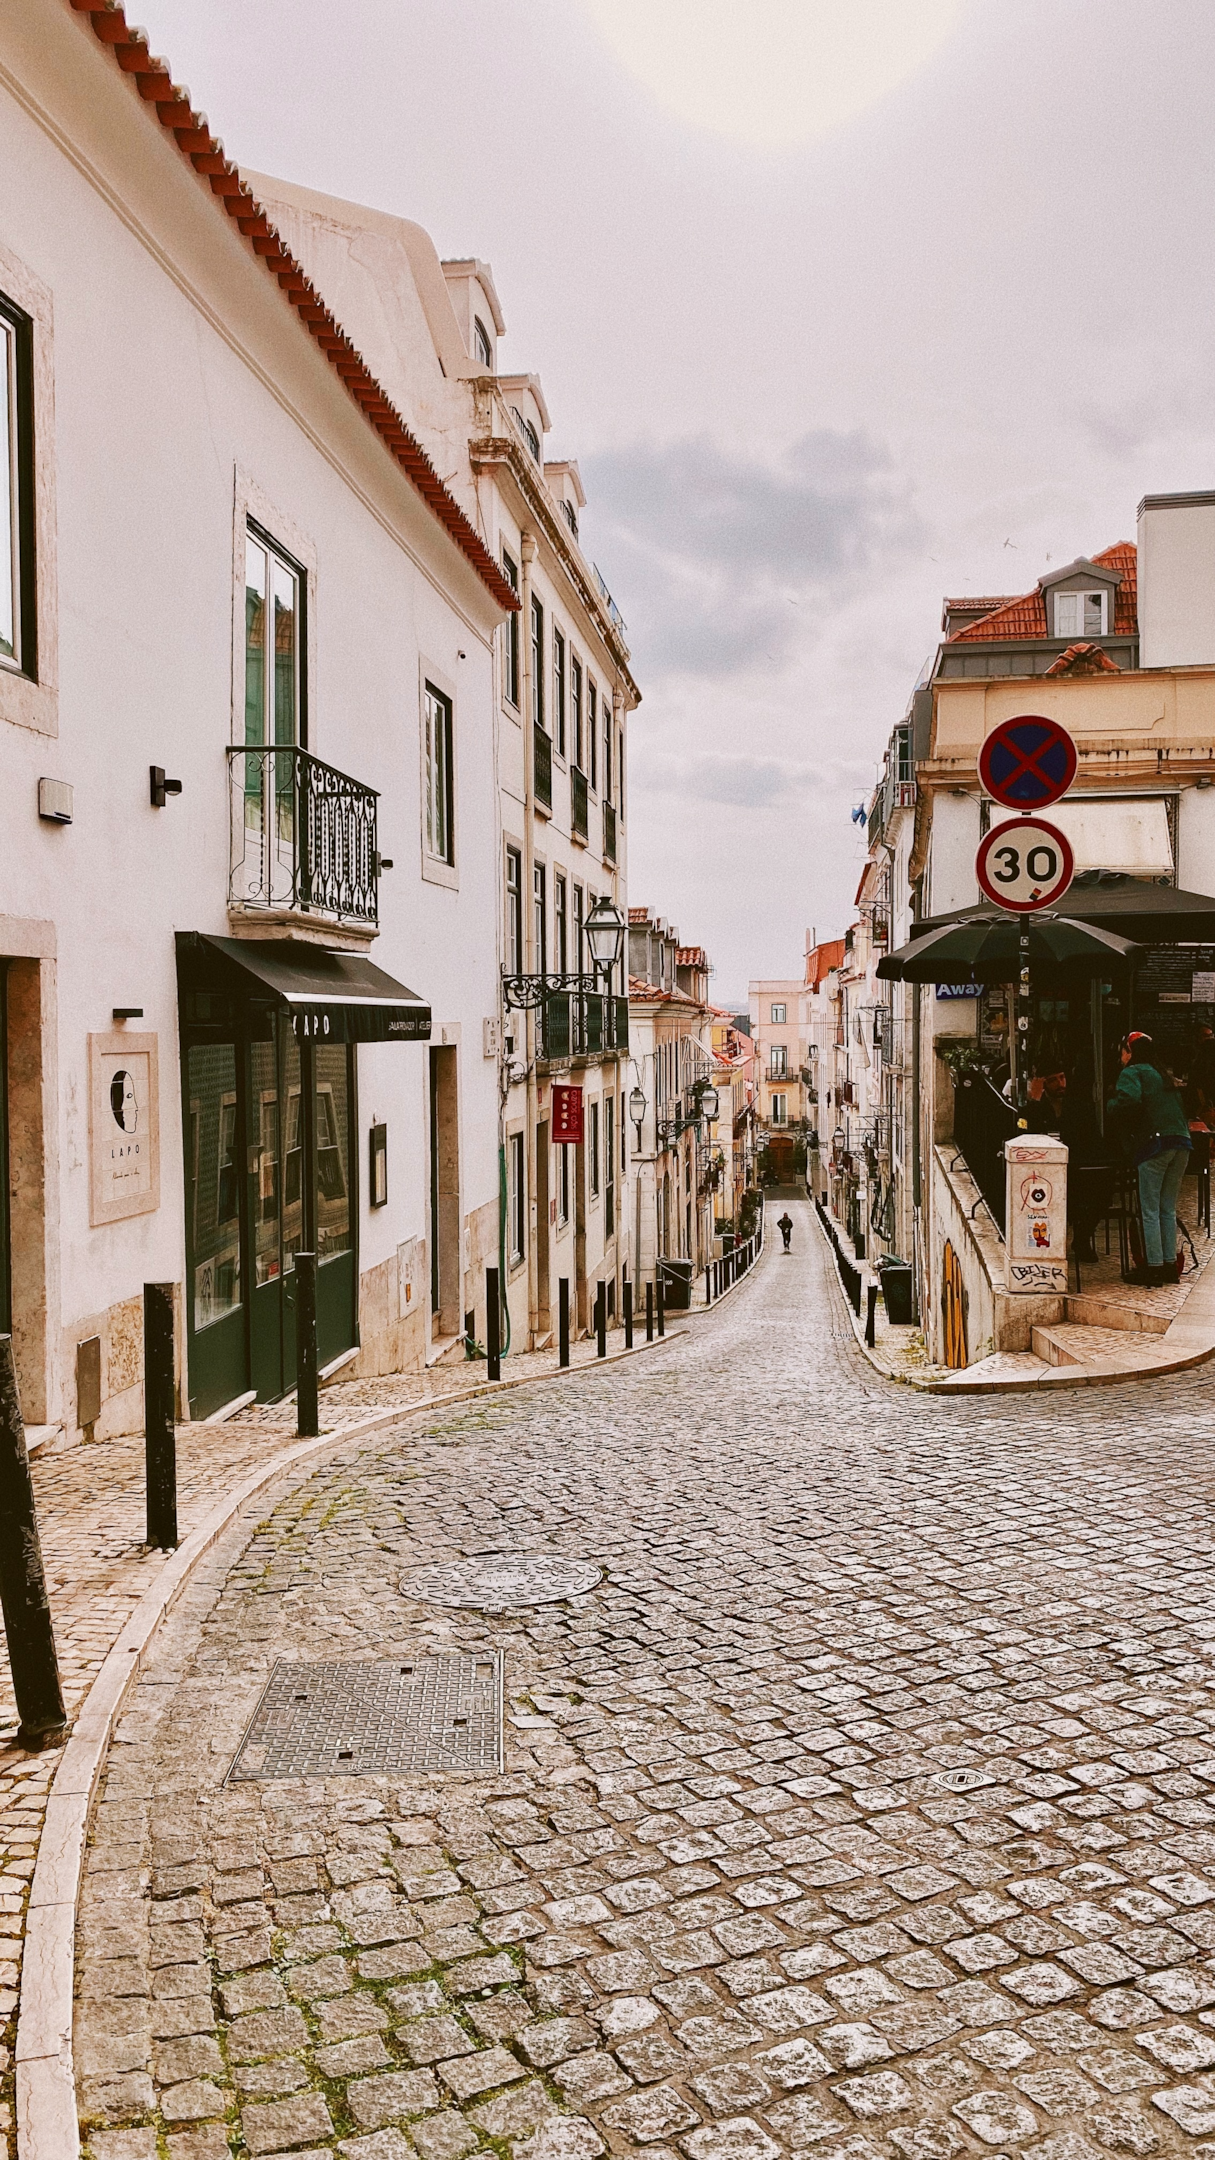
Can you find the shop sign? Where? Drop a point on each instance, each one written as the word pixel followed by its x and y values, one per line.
pixel 567 1116
pixel 124 1127
pixel 959 990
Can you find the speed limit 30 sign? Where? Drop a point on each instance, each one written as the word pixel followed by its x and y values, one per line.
pixel 1024 865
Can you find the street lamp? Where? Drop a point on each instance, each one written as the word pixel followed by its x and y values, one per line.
pixel 709 1102
pixel 605 927
pixel 637 1110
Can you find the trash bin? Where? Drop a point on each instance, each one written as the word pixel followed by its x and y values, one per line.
pixel 676 1285
pixel 896 1290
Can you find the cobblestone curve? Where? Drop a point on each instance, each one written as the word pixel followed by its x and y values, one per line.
pixel 863 1809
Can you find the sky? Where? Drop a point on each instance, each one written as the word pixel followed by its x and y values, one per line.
pixel 840 308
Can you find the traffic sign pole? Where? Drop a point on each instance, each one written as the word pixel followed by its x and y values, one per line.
pixel 1025 764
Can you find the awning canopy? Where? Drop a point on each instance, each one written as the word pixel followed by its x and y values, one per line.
pixel 1147 914
pixel 1117 832
pixel 329 996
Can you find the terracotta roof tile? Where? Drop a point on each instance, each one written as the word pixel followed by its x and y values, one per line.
pixel 1025 617
pixel 691 956
pixel 204 153
pixel 1084 660
pixel 639 915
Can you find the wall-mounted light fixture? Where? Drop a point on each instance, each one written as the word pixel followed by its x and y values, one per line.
pixel 55 802
pixel 160 788
pixel 377 1166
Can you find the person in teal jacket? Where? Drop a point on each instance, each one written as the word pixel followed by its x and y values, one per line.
pixel 1150 1116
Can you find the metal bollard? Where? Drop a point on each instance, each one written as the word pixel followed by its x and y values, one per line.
pixel 628 1314
pixel 27 1615
pixel 159 1415
pixel 871 1315
pixel 601 1321
pixel 649 1312
pixel 709 1283
pixel 563 1321
pixel 307 1387
pixel 493 1324
pixel 662 1318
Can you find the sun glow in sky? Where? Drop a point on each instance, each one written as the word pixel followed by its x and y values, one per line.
pixel 772 73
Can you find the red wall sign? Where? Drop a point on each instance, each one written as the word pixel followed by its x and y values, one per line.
pixel 567 1115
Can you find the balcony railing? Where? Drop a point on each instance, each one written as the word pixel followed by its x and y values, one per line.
pixel 578 820
pixel 543 766
pixel 609 833
pixel 303 835
pixel 582 1024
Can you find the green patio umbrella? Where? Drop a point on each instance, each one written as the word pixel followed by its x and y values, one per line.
pixel 988 950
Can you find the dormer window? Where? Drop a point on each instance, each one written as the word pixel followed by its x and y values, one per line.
pixel 1081 614
pixel 484 350
pixel 528 432
pixel 570 515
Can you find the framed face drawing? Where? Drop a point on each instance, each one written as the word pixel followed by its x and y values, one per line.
pixel 124 1127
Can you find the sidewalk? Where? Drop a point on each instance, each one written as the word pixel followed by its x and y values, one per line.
pixel 1111 1330
pixel 90 1502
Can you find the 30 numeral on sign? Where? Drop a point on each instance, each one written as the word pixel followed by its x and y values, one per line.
pixel 1024 865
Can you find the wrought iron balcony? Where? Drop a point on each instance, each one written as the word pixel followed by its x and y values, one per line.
pixel 609 833
pixel 303 836
pixel 543 767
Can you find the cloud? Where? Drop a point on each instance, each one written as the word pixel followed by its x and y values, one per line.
pixel 747 783
pixel 713 556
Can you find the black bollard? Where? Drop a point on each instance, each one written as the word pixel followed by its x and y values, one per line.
pixel 27 1616
pixel 159 1415
pixel 709 1283
pixel 628 1315
pixel 662 1318
pixel 493 1324
pixel 871 1315
pixel 563 1321
pixel 649 1312
pixel 601 1321
pixel 307 1386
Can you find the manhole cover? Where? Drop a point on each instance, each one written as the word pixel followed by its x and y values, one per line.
pixel 440 1711
pixel 964 1780
pixel 494 1580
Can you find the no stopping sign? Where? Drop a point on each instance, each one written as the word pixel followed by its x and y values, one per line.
pixel 1024 865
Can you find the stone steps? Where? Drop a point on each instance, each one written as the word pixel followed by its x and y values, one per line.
pixel 1070 1343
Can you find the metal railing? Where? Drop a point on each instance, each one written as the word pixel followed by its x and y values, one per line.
pixel 579 826
pixel 982 1122
pixel 609 833
pixel 543 767
pixel 579 1023
pixel 303 835
pixel 721 1275
pixel 850 1276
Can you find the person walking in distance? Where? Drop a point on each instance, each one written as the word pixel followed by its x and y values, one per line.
pixel 784 1224
pixel 1156 1136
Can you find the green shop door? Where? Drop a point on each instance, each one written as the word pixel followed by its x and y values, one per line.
pixel 245 1214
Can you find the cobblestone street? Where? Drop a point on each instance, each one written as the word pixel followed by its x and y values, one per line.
pixel 860 1809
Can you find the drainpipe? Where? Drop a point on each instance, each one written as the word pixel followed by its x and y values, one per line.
pixel 531 958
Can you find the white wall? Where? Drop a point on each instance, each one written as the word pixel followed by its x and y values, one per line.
pixel 1176 541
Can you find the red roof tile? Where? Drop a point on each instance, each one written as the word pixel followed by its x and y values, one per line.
pixel 1025 617
pixel 1084 660
pixel 205 154
pixel 691 956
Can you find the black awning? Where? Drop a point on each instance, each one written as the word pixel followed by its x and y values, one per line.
pixel 1147 914
pixel 330 996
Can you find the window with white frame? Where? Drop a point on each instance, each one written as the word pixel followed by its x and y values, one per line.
pixel 510 636
pixel 537 662
pixel 1081 614
pixel 576 711
pixel 778 1016
pixel 558 717
pixel 481 345
pixel 778 1057
pixel 274 687
pixel 517 1196
pixel 563 1183
pixel 440 789
pixel 591 735
pixel 592 1149
pixel 514 911
pixel 780 1109
pixel 16 492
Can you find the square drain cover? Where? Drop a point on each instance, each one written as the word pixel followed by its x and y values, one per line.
pixel 440 1710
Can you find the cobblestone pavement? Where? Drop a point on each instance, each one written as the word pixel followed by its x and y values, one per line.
pixel 860 1810
pixel 91 1518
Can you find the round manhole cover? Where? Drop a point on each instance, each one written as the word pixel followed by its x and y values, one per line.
pixel 491 1580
